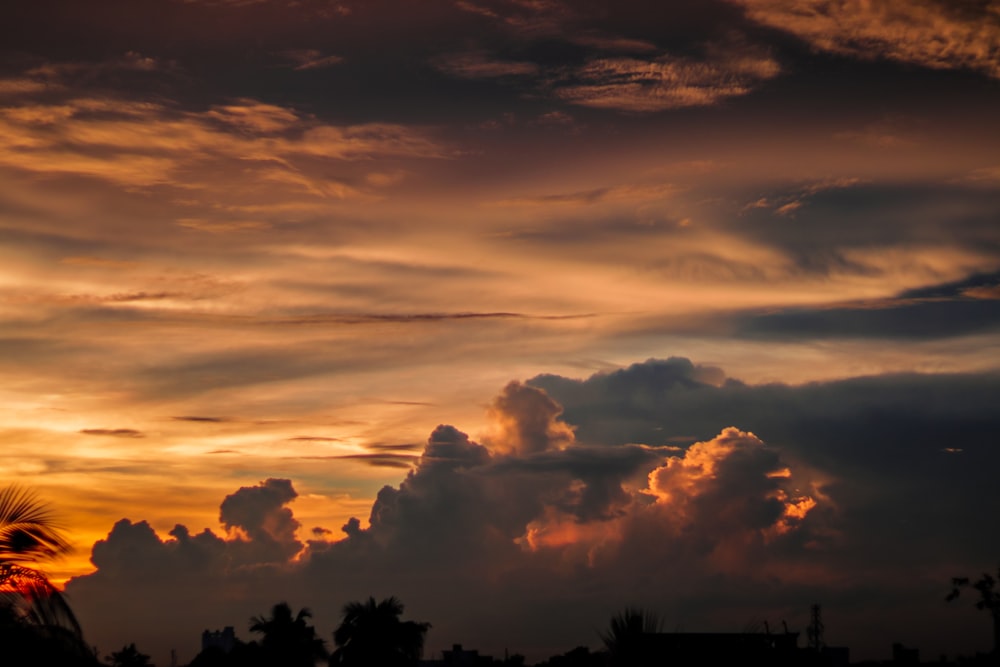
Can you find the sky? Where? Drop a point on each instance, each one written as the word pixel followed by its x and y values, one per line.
pixel 521 311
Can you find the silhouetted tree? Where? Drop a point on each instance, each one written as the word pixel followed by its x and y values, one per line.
pixel 989 600
pixel 129 656
pixel 624 638
pixel 242 655
pixel 38 625
pixel 373 634
pixel 581 656
pixel 287 639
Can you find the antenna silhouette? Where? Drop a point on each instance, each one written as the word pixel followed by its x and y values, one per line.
pixel 815 630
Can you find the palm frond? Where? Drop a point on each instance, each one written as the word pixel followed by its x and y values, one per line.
pixel 27 528
pixel 30 596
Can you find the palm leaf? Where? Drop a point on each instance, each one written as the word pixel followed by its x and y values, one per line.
pixel 27 528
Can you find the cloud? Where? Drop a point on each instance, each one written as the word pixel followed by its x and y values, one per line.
pixel 259 514
pixel 145 144
pixel 531 512
pixel 525 19
pixel 114 432
pixel 628 193
pixel 309 59
pixel 404 461
pixel 859 443
pixel 667 82
pixel 930 33
pixel 956 308
pixel 614 43
pixel 528 421
pixel 478 65
pixel 853 226
pixel 261 535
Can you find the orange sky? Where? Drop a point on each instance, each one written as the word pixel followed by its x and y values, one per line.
pixel 252 240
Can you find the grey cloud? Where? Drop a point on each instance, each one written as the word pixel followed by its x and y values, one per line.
pixel 260 512
pixel 970 284
pixel 375 460
pixel 956 308
pixel 712 530
pixel 449 448
pixel 402 447
pixel 114 432
pixel 529 420
pixel 834 221
pixel 906 320
pixel 874 444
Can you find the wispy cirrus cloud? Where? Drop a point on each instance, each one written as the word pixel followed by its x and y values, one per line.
pixel 930 33
pixel 666 82
pixel 114 432
pixel 308 59
pixel 610 194
pixel 615 43
pixel 480 65
pixel 144 144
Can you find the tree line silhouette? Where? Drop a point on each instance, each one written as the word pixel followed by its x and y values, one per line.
pixel 371 633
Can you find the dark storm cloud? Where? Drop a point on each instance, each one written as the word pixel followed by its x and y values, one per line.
pixel 908 320
pixel 956 308
pixel 197 581
pixel 879 444
pixel 467 525
pixel 529 420
pixel 977 285
pixel 846 492
pixel 259 512
pixel 829 222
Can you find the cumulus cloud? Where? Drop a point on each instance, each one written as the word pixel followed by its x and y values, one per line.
pixel 529 509
pixel 527 420
pixel 259 514
pixel 733 484
pixel 871 447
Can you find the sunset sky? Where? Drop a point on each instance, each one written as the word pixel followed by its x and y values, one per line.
pixel 519 310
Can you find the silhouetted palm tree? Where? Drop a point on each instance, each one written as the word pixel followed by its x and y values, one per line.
pixel 989 600
pixel 129 656
pixel 34 616
pixel 624 637
pixel 373 634
pixel 288 640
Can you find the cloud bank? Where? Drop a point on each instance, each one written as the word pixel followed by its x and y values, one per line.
pixel 838 493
